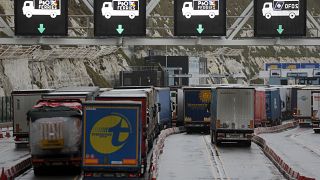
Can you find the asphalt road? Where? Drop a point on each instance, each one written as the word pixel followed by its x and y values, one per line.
pixel 298 147
pixel 194 157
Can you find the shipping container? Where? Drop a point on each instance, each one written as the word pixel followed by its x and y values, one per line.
pixel 260 116
pixel 164 107
pixel 273 106
pixel 113 139
pixel 55 134
pixel 197 108
pixel 22 102
pixel 232 118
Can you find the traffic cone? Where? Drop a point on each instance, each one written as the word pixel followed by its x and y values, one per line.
pixel 3 175
pixel 1 135
pixel 8 132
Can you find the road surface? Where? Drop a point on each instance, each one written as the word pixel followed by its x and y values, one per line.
pixel 298 147
pixel 188 157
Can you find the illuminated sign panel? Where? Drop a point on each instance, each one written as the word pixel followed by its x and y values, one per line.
pixel 41 17
pixel 200 17
pixel 276 18
pixel 120 17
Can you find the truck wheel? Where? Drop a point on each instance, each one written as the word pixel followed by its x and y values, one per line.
pixel 29 14
pixel 292 15
pixel 38 171
pixel 107 15
pixel 212 15
pixel 268 16
pixel 247 143
pixel 188 15
pixel 132 16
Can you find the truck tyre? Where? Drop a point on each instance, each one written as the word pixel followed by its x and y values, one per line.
pixel 188 15
pixel 53 15
pixel 29 14
pixel 107 15
pixel 268 15
pixel 247 143
pixel 38 171
pixel 132 16
pixel 292 15
pixel 212 15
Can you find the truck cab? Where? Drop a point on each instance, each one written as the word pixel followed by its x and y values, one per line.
pixel 27 8
pixel 106 8
pixel 267 8
pixel 187 8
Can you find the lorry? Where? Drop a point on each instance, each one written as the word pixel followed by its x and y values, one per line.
pixel 163 102
pixel 42 7
pixel 55 135
pixel 113 140
pixel 128 8
pixel 288 8
pixel 273 106
pixel 22 102
pixel 232 115
pixel 201 8
pixel 148 110
pixel 197 108
pixel 260 116
pixel 307 107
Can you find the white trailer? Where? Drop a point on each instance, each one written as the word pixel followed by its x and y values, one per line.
pixel 128 8
pixel 22 102
pixel 232 112
pixel 42 7
pixel 201 8
pixel 288 8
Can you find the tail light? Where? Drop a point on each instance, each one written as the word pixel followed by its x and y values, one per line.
pixel 251 124
pixel 206 120
pixel 187 119
pixel 218 125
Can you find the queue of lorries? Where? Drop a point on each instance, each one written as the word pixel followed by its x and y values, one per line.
pixel 109 132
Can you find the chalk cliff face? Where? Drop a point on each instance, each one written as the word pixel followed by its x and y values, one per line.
pixel 102 67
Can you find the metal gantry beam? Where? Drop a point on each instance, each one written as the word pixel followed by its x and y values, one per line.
pixel 172 41
pixel 7 28
pixel 151 5
pixel 313 20
pixel 236 26
pixel 89 4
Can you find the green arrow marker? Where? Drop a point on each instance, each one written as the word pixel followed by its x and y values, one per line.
pixel 120 29
pixel 280 29
pixel 41 28
pixel 200 29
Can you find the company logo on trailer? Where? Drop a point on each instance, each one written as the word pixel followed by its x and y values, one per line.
pixel 110 134
pixel 205 96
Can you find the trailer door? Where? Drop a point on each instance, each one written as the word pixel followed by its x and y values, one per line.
pixel 304 103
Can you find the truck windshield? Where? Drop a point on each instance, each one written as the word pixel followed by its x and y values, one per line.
pixel 266 6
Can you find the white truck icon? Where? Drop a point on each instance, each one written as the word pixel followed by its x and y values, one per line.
pixel 288 8
pixel 201 8
pixel 42 7
pixel 128 8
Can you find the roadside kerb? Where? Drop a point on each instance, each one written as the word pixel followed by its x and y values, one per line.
pixel 283 167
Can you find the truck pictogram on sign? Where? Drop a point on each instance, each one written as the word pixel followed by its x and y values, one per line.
pixel 201 8
pixel 288 8
pixel 42 7
pixel 120 8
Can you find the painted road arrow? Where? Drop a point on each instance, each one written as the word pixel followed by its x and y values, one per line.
pixel 200 29
pixel 280 29
pixel 120 29
pixel 41 28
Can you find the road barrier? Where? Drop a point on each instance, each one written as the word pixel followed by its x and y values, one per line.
pixel 15 170
pixel 283 167
pixel 273 129
pixel 158 149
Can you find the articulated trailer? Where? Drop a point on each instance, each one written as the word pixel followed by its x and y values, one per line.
pixel 232 115
pixel 113 140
